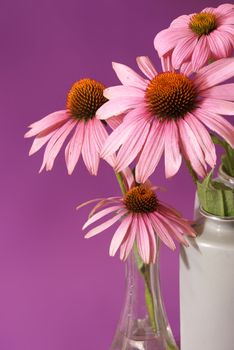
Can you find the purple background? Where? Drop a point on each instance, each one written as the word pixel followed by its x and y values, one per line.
pixel 59 291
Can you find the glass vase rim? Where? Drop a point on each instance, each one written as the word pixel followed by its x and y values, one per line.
pixel 214 217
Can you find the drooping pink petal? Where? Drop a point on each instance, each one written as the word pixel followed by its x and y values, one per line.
pixel 220 44
pixel 161 231
pixel 46 122
pixel 173 229
pixel 168 38
pixel 186 68
pixel 74 146
pixel 181 21
pixel 146 66
pixel 40 140
pixel 184 50
pixel 89 150
pixel 103 226
pixel 214 73
pixel 105 202
pixel 101 202
pixel 152 240
pixel 114 122
pixel 142 240
pixel 128 242
pixel 151 152
pixel 128 77
pixel 99 136
pixel 100 215
pixel 191 148
pixel 203 138
pixel 224 9
pixel 218 106
pixel 121 91
pixel 173 156
pixel 55 143
pixel 123 132
pixel 132 146
pixel 218 124
pixel 221 92
pixel 183 224
pixel 227 20
pixel 117 106
pixel 166 63
pixel 120 234
pixel 201 53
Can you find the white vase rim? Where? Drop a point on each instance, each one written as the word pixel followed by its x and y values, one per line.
pixel 215 217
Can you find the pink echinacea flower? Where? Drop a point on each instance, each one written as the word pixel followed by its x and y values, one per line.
pixel 168 112
pixel 142 216
pixel 83 100
pixel 199 37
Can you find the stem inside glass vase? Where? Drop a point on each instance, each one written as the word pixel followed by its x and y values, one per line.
pixel 143 323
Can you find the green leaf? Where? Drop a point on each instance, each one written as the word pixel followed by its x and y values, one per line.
pixel 228 157
pixel 228 161
pixel 215 197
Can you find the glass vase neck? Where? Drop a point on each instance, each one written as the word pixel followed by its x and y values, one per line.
pixel 143 323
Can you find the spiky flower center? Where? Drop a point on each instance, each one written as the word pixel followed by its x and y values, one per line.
pixel 141 199
pixel 203 23
pixel 170 95
pixel 84 99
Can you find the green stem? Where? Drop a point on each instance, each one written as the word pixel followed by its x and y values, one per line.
pixel 119 178
pixel 145 271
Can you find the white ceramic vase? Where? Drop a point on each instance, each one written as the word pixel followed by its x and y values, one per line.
pixel 207 284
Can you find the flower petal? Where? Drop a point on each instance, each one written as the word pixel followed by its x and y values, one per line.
pixel 142 240
pixel 201 53
pixel 168 38
pixel 173 156
pixel 203 138
pixel 120 234
pixel 89 150
pixel 73 148
pixel 218 124
pixel 191 148
pixel 218 106
pixel 161 231
pixel 214 73
pixel 40 140
pixel 117 106
pixel 128 77
pixel 183 50
pixel 99 136
pixel 151 152
pixel 55 143
pixel 152 240
pixel 133 145
pixel 103 226
pixel 220 92
pixel 123 132
pixel 46 122
pixel 127 245
pixel 100 215
pixel 146 66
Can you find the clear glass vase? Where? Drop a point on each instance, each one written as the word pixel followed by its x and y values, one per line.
pixel 143 323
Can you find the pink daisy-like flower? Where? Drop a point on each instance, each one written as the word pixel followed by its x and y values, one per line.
pixel 168 112
pixel 83 100
pixel 141 216
pixel 198 37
